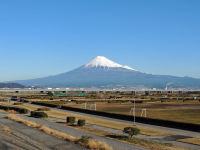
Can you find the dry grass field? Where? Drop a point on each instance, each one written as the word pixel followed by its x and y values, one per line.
pixel 175 111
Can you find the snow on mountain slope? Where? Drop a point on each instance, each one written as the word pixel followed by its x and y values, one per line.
pixel 101 61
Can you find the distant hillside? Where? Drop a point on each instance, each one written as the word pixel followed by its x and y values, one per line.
pixel 102 72
pixel 11 85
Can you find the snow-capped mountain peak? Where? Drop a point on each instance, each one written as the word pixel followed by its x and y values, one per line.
pixel 101 61
pixel 105 74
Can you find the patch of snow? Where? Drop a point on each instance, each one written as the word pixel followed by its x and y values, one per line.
pixel 101 61
pixel 127 67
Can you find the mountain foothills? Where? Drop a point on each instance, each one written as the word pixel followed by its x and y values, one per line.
pixel 102 72
pixel 11 85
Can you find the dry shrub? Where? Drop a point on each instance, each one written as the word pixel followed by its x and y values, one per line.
pixel 93 144
pixel 90 143
pixel 6 129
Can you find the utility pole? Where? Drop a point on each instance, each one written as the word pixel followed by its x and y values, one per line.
pixel 134 114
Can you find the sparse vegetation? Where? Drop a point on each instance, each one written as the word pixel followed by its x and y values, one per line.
pixel 6 129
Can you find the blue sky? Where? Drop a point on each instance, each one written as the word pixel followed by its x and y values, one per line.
pixel 45 37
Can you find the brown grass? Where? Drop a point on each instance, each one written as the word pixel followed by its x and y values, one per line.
pixel 187 112
pixel 92 145
pixel 57 133
pixel 6 129
pixel 9 111
pixel 44 109
pixel 12 112
pixel 191 140
pixel 31 108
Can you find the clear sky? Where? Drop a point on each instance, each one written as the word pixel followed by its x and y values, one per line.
pixel 46 37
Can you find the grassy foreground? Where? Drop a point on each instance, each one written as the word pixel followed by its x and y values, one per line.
pixel 91 144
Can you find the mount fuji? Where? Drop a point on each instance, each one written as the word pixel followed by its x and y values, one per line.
pixel 102 72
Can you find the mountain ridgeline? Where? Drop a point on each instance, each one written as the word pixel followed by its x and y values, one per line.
pixel 102 72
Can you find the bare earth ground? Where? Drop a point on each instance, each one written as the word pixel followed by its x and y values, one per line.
pixel 22 137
